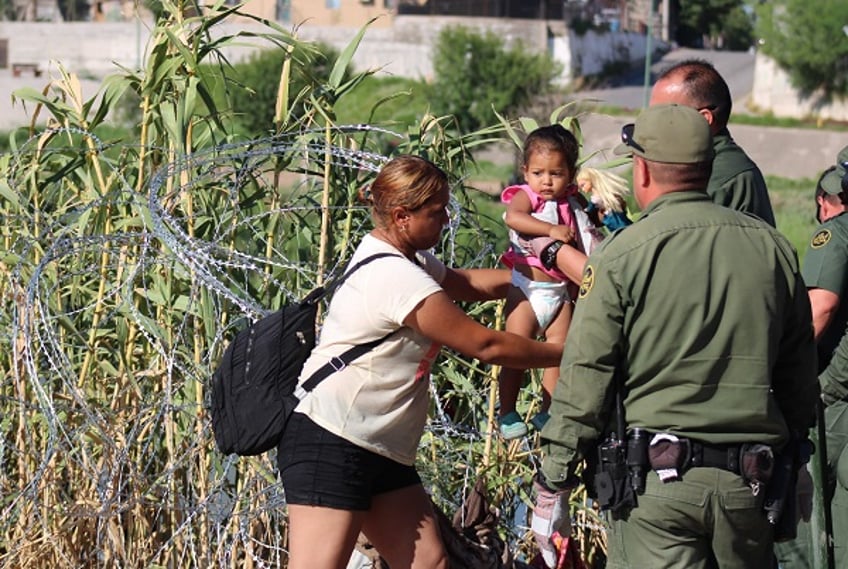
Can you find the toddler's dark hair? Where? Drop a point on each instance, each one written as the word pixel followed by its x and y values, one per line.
pixel 553 138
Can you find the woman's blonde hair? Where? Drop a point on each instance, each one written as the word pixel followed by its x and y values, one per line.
pixel 406 181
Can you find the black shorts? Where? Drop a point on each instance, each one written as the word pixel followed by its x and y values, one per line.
pixel 319 468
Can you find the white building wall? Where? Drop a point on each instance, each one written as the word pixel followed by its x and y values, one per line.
pixel 94 49
pixel 591 52
pixel 773 92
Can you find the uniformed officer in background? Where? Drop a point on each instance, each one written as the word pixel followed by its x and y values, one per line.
pixel 825 271
pixel 696 316
pixel 736 181
pixel 834 385
pixel 825 268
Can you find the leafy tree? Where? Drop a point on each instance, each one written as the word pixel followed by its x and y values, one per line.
pixel 722 23
pixel 475 72
pixel 807 39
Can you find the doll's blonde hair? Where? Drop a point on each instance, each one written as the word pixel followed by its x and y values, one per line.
pixel 608 190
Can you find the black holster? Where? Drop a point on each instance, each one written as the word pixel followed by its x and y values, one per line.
pixel 612 480
pixel 780 500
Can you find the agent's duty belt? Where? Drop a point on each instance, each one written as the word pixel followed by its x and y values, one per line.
pixel 709 455
pixel 670 456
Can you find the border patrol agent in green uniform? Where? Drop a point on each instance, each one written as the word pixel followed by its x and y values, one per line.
pixel 834 385
pixel 736 181
pixel 696 314
pixel 825 268
pixel 825 272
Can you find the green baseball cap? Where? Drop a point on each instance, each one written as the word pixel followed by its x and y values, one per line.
pixel 831 182
pixel 671 133
pixel 842 157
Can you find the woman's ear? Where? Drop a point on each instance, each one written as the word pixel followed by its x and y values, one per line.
pixel 400 216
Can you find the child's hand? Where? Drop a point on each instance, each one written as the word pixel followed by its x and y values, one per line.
pixel 561 233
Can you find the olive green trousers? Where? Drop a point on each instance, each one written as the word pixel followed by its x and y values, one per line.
pixel 798 554
pixel 710 519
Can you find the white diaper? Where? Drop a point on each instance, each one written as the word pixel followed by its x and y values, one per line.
pixel 546 298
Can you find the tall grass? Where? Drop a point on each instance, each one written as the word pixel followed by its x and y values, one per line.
pixel 126 264
pixel 794 209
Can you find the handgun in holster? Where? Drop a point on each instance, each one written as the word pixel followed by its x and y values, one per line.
pixel 780 504
pixel 617 477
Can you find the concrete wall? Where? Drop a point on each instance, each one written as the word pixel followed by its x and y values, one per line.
pixel 406 48
pixel 349 12
pixel 590 53
pixel 85 48
pixel 92 49
pixel 773 92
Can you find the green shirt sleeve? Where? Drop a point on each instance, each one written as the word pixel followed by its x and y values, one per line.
pixel 826 263
pixel 745 192
pixel 737 182
pixel 834 379
pixel 582 398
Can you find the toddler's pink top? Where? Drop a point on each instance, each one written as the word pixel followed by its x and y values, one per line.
pixel 518 255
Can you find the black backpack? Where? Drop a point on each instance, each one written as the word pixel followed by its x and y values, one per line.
pixel 253 387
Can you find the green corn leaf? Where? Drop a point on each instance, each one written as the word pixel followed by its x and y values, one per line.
pixel 337 74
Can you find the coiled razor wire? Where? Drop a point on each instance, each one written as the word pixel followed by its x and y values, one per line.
pixel 109 435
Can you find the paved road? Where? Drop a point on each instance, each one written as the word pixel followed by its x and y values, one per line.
pixel 736 67
pixel 786 152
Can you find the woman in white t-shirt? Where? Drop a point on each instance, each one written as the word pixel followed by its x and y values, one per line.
pixel 347 457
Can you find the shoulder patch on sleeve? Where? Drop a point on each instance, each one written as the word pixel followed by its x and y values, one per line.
pixel 820 239
pixel 587 282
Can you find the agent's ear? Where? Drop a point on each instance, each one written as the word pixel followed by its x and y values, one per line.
pixel 644 172
pixel 708 116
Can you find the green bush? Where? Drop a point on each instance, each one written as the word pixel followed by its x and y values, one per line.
pixel 253 84
pixel 393 102
pixel 474 73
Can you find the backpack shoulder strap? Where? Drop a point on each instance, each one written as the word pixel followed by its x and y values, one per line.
pixel 322 291
pixel 338 363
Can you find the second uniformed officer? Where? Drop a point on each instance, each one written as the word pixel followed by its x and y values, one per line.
pixel 696 319
pixel 825 271
pixel 735 182
pixel 825 267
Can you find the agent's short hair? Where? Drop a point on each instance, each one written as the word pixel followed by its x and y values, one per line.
pixel 693 176
pixel 703 85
